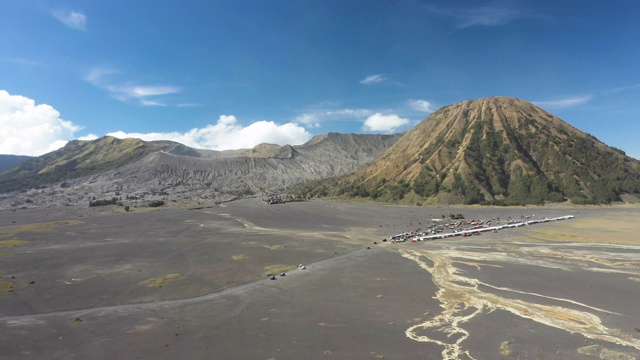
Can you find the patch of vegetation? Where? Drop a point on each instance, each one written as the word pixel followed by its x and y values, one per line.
pixel 6 288
pixel 315 188
pixel 78 320
pixel 103 202
pixel 399 190
pixel 579 200
pixel 356 190
pixel 155 203
pixel 239 257
pixel 159 282
pixel 37 227
pixel 11 243
pixel 242 191
pixel 528 189
pixel 593 172
pixel 426 186
pixel 5 254
pixel 277 269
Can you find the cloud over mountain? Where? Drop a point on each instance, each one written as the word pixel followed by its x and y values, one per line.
pixel 421 105
pixel 564 102
pixel 227 134
pixel 27 128
pixel 30 129
pixel 384 123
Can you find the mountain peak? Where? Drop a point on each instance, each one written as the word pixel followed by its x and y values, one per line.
pixel 496 150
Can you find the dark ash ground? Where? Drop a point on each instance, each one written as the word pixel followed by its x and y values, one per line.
pixel 192 284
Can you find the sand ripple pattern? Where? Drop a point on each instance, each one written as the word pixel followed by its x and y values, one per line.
pixel 462 298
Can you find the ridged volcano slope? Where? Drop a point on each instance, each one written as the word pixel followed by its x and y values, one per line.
pixel 496 150
pixel 265 168
pixel 106 167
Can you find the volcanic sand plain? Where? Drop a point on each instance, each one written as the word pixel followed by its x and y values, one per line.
pixel 95 283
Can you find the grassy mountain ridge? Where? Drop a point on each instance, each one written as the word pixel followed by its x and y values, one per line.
pixel 496 150
pixel 77 158
pixel 8 161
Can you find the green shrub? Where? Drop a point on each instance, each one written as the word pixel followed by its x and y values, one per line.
pixel 156 203
pixel 579 200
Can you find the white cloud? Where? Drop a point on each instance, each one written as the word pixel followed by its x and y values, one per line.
pixel 315 116
pixel 99 77
pixel 487 16
pixel 311 120
pixel 484 15
pixel 384 123
pixel 141 93
pixel 144 91
pixel 73 19
pixel 421 105
pixel 151 103
pixel 350 112
pixel 97 74
pixel 21 61
pixel 88 137
pixel 373 79
pixel 623 88
pixel 564 102
pixel 30 129
pixel 228 134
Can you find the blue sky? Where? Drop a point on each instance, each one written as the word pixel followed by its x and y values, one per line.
pixel 231 74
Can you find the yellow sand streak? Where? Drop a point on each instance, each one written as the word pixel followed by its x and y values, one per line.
pixel 462 300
